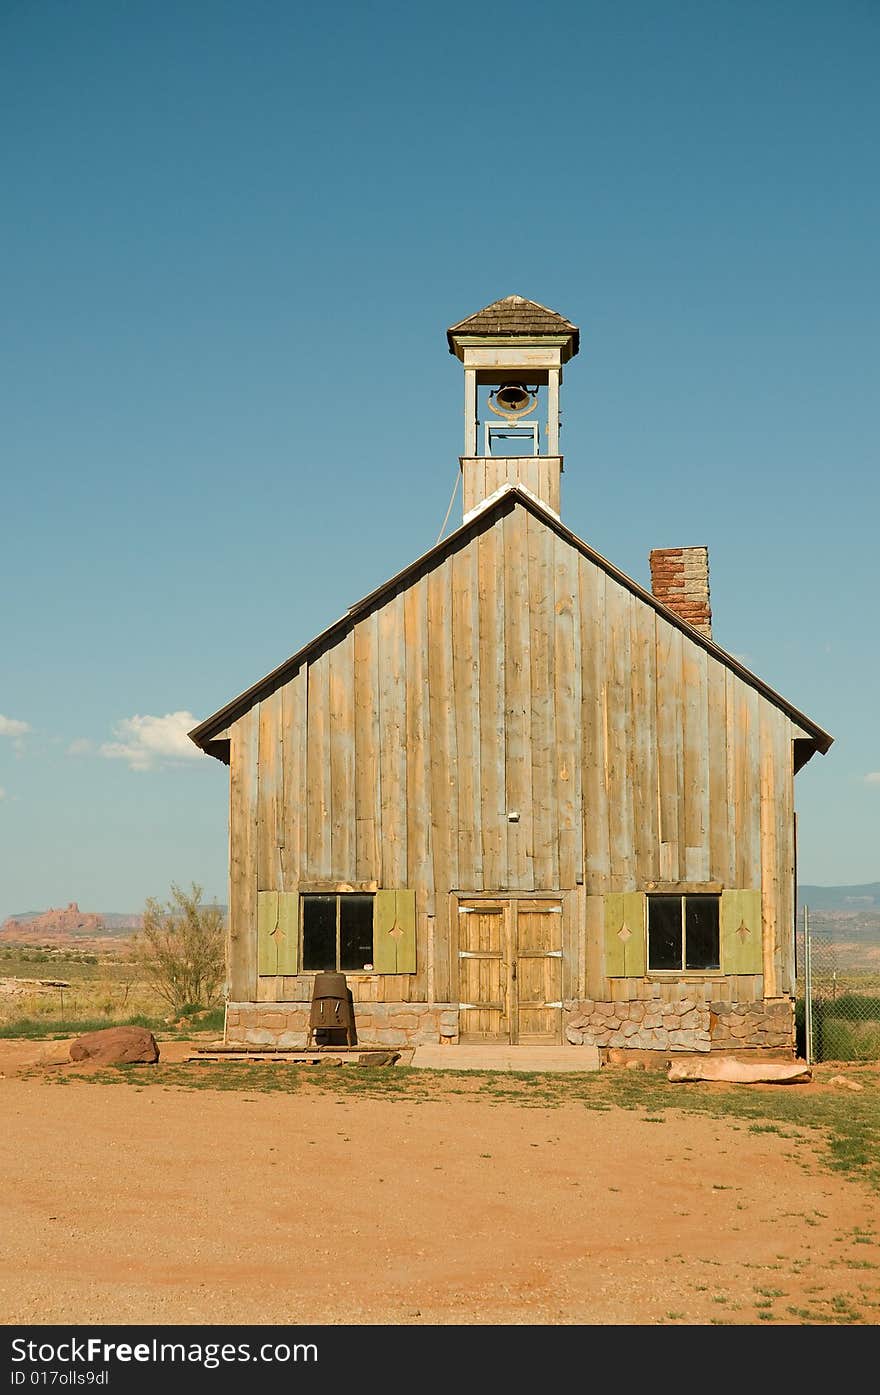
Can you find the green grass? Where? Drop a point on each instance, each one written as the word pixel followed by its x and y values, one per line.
pixel 44 1028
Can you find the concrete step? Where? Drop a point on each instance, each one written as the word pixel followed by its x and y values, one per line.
pixel 506 1058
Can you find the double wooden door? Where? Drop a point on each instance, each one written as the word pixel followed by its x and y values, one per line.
pixel 510 970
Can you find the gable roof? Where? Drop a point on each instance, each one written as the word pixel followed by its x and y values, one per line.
pixel 208 734
pixel 515 317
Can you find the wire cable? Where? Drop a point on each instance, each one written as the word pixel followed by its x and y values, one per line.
pixel 449 510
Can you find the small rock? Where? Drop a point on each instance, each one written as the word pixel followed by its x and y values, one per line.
pixel 842 1083
pixel 378 1058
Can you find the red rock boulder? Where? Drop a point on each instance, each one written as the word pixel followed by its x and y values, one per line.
pixel 115 1046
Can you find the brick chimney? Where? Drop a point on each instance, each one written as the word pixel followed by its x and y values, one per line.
pixel 680 579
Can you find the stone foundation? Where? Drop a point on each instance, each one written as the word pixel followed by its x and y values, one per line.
pixel 377 1024
pixel 685 1025
pixel 638 1025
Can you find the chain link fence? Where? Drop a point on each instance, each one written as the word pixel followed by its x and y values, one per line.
pixel 838 993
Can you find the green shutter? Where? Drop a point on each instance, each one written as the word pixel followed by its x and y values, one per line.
pixel 741 948
pixel 394 932
pixel 384 943
pixel 406 920
pixel 288 932
pixel 267 939
pixel 614 946
pixel 625 919
pixel 635 915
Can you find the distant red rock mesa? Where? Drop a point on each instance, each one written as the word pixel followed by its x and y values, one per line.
pixel 55 921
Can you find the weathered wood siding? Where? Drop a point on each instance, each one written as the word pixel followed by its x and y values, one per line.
pixel 513 677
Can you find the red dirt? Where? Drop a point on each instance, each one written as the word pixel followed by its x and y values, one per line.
pixel 163 1205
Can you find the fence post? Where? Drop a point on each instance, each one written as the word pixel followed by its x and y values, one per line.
pixel 808 988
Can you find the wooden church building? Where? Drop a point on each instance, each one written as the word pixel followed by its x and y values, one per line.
pixel 513 795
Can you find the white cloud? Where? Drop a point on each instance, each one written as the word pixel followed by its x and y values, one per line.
pixel 873 778
pixel 146 742
pixel 10 726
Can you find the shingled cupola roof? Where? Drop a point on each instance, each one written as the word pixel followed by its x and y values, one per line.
pixel 515 318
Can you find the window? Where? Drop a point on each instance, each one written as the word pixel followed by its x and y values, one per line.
pixel 337 933
pixel 683 933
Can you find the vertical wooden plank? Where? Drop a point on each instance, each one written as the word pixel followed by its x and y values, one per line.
pixel 444 784
pixel 694 812
pixel 596 984
pixel 269 793
pixel 342 758
pixel 741 943
pixel 405 923
pixel 542 724
pixel 466 686
pixel 669 750
pixel 572 944
pixel 318 811
pixel 594 727
pixel 568 697
pixel 615 953
pixel 384 946
pixel 769 846
pixel 719 866
pixel 244 750
pixel 642 742
pixel 729 876
pixel 392 748
pixel 517 699
pixel 293 783
pixel 748 792
pixel 785 844
pixel 635 914
pixel 288 935
pixel 267 927
pixel 620 793
pixel 367 774
pixel 420 870
pixel 493 808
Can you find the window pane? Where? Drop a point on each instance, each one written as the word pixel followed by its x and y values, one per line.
pixel 319 932
pixel 664 932
pixel 355 932
pixel 701 932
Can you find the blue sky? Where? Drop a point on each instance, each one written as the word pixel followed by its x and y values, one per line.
pixel 234 235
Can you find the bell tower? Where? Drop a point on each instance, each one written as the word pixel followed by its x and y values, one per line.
pixel 513 352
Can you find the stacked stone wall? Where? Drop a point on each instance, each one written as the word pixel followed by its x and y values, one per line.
pixel 685 1025
pixel 377 1024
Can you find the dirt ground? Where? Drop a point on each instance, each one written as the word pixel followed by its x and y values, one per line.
pixel 124 1204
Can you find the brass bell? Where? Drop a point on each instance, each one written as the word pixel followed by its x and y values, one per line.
pixel 514 398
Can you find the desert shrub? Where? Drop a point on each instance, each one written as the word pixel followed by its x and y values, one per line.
pixel 181 949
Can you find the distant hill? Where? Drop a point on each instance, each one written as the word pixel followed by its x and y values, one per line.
pixel 67 925
pixel 840 898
